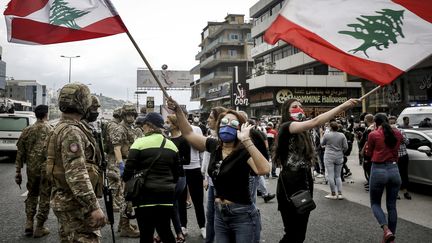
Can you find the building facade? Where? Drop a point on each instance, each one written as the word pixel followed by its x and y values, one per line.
pixel 282 71
pixel 2 72
pixel 27 90
pixel 224 46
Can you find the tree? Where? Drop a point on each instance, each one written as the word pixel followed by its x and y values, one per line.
pixel 61 14
pixel 377 31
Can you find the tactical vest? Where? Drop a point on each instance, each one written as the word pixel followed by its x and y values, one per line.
pixel 130 137
pixel 55 169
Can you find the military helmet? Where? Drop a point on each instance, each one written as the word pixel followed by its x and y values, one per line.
pixel 128 108
pixel 95 104
pixel 117 112
pixel 74 98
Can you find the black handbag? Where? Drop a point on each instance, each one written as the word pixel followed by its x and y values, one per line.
pixel 301 200
pixel 134 186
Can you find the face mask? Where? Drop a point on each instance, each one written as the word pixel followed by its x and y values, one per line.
pixel 227 134
pixel 92 116
pixel 196 119
pixel 297 114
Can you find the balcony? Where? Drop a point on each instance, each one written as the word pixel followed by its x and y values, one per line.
pixel 300 80
pixel 217 59
pixel 293 61
pixel 217 43
pixel 259 7
pixel 217 76
pixel 262 26
pixel 263 48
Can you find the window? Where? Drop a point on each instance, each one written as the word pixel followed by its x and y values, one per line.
pixel 416 140
pixel 233 36
pixel 232 53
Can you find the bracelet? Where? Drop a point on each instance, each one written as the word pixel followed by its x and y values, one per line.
pixel 247 139
pixel 250 145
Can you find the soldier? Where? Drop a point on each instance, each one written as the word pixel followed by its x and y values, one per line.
pixel 113 172
pixel 138 126
pixel 73 168
pixel 122 138
pixel 31 146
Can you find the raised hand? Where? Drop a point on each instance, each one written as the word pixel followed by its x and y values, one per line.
pixel 243 133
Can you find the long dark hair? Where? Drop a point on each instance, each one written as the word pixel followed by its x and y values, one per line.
pixel 389 137
pixel 304 143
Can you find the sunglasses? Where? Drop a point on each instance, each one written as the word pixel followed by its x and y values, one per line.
pixel 232 123
pixel 217 169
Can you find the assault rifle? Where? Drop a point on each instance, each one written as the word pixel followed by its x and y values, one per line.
pixel 107 191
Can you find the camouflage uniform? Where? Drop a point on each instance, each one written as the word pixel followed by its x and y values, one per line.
pixel 72 166
pixel 124 135
pixel 31 146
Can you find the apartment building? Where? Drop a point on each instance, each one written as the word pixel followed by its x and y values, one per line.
pixel 224 45
pixel 282 71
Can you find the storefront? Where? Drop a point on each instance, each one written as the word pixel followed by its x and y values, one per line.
pixel 315 100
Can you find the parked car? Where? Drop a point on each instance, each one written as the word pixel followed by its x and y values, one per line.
pixel 415 115
pixel 420 155
pixel 11 126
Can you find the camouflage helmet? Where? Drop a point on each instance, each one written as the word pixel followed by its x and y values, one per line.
pixel 74 98
pixel 95 103
pixel 117 112
pixel 128 108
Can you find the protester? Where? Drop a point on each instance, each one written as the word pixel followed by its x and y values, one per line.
pixel 335 145
pixel 184 156
pixel 233 158
pixel 295 153
pixel 383 145
pixel 369 121
pixel 403 160
pixel 160 157
pixel 208 183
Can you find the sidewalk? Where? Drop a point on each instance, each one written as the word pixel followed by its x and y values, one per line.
pixel 418 210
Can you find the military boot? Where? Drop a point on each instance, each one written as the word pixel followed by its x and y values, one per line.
pixel 127 230
pixel 28 231
pixel 40 232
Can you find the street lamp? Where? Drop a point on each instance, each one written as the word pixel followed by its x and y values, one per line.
pixel 70 64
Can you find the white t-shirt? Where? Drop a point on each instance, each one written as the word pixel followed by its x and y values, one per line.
pixel 196 156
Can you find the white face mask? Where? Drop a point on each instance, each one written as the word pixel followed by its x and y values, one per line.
pixel 196 119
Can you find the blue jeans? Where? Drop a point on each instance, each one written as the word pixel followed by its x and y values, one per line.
pixel 236 223
pixel 180 186
pixel 210 232
pixel 385 175
pixel 334 168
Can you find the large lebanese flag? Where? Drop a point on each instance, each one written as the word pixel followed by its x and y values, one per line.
pixel 374 39
pixel 57 21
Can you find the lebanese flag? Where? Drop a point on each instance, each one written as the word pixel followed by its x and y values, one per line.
pixel 377 40
pixel 56 21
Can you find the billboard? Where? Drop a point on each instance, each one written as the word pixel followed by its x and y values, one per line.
pixel 168 78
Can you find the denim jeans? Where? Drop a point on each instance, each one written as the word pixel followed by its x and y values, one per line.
pixel 385 175
pixel 333 169
pixel 210 232
pixel 236 223
pixel 180 186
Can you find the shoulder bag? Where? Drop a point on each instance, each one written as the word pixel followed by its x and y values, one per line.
pixel 302 199
pixel 133 187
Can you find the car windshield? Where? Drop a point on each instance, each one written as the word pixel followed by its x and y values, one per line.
pixel 428 133
pixel 13 124
pixel 415 119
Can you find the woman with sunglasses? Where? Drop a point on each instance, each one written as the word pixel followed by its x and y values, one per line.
pixel 295 153
pixel 233 158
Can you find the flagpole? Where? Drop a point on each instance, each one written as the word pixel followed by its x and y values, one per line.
pixel 147 64
pixel 370 92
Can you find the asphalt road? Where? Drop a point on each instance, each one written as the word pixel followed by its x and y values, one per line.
pixel 332 221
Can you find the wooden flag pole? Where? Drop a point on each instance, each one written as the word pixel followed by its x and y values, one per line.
pixel 147 64
pixel 370 92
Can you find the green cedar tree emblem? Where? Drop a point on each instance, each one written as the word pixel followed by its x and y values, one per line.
pixel 377 31
pixel 61 14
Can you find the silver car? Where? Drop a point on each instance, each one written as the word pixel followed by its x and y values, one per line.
pixel 11 126
pixel 420 155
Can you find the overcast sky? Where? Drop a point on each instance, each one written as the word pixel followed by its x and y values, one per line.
pixel 168 32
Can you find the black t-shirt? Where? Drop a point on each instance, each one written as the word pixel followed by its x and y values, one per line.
pixel 231 175
pixel 184 152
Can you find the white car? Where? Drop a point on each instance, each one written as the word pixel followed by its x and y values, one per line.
pixel 420 155
pixel 415 115
pixel 11 126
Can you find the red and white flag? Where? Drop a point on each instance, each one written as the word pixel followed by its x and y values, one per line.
pixel 374 39
pixel 57 21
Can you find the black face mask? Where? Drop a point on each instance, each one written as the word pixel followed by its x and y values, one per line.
pixel 92 116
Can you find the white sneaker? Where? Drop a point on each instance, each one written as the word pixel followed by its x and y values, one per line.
pixel 203 232
pixel 330 196
pixel 184 231
pixel 340 197
pixel 320 176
